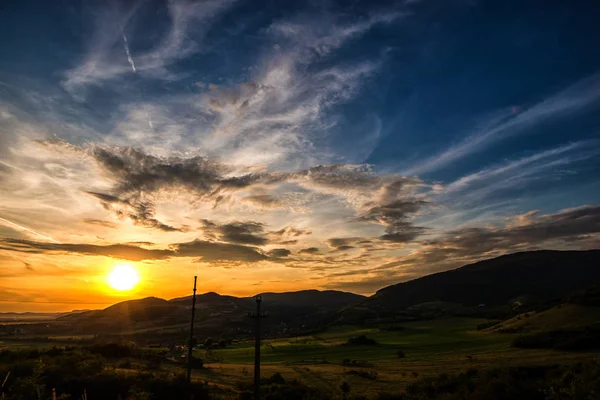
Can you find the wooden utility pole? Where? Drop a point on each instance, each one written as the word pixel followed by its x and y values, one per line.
pixel 258 316
pixel 191 340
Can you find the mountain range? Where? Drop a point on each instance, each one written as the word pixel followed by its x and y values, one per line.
pixel 500 285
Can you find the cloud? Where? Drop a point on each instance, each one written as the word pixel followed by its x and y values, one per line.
pixel 100 222
pixel 310 250
pixel 122 251
pixel 263 200
pixel 25 229
pixel 574 224
pixel 340 242
pixel 393 208
pixel 140 212
pixel 386 200
pixel 321 34
pixel 545 169
pixel 204 251
pixel 277 253
pixel 250 232
pixel 102 63
pixel 576 98
pixel 215 252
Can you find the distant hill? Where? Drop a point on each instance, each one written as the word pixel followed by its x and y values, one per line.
pixel 528 276
pixel 34 316
pixel 331 298
pixel 26 316
pixel 216 314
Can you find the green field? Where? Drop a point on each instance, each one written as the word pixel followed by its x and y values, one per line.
pixel 324 360
pixel 430 347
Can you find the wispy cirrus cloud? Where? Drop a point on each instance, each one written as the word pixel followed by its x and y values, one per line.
pixel 507 123
pixel 102 63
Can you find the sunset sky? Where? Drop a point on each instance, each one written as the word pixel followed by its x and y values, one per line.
pixel 275 146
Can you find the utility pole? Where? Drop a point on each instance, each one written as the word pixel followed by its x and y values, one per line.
pixel 258 316
pixel 191 342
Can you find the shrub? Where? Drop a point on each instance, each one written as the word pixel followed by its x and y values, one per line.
pixel 400 354
pixel 371 375
pixel 276 378
pixel 361 340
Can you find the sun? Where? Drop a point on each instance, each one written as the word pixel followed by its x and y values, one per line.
pixel 123 277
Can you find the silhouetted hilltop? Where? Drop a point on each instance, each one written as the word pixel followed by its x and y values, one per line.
pixel 288 312
pixel 313 298
pixel 534 274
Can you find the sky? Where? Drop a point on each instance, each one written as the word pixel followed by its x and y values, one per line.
pixel 277 146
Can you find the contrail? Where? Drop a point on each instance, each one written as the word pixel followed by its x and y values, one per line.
pixel 21 227
pixel 130 59
pixel 149 121
pixel 128 53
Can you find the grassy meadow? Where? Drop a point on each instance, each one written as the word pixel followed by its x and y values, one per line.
pixel 450 345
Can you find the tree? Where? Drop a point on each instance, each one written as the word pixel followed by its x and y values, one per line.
pixel 222 343
pixel 345 387
pixel 208 343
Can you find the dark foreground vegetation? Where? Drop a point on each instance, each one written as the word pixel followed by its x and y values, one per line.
pixel 578 382
pixel 587 338
pixel 85 373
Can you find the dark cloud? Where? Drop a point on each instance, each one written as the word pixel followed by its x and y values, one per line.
pixel 28 266
pixel 310 250
pixel 569 226
pixel 283 236
pixel 139 176
pixel 249 232
pixel 140 212
pixel 279 253
pixel 395 217
pixel 122 251
pixel 215 251
pixel 263 200
pixel 100 222
pixel 143 215
pixel 343 243
pixel 202 249
pixel 136 172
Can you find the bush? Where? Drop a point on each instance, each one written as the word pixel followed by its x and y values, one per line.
pixel 568 340
pixel 400 354
pixel 361 340
pixel 112 350
pixel 578 382
pixel 276 378
pixel 371 375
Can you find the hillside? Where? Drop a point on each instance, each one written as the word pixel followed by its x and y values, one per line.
pixel 563 316
pixel 216 314
pixel 505 281
pixel 328 298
